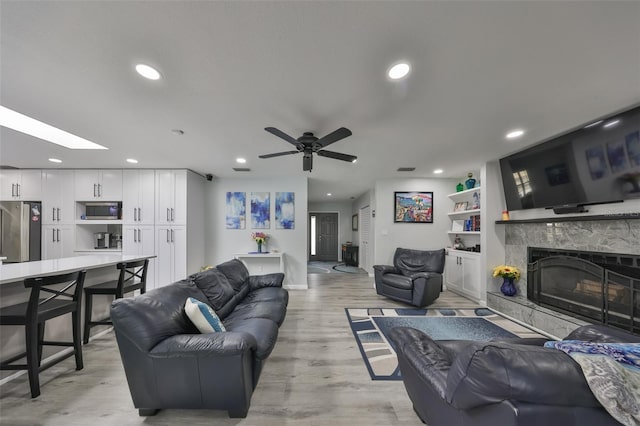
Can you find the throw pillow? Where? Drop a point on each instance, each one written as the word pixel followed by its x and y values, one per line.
pixel 202 316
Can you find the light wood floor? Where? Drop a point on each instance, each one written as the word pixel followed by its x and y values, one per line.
pixel 315 375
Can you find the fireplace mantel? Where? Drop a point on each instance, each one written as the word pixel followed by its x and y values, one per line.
pixel 622 216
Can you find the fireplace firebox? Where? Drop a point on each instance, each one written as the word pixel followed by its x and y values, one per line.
pixel 593 286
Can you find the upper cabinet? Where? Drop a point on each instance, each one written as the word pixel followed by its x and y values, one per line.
pixel 138 197
pixel 98 185
pixel 17 185
pixel 58 204
pixel 171 197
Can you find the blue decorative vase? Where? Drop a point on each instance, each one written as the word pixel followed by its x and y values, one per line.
pixel 508 288
pixel 259 247
pixel 471 182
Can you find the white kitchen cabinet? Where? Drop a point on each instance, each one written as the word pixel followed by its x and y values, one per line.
pixel 140 240
pixel 98 185
pixel 16 185
pixel 58 203
pixel 171 197
pixel 462 273
pixel 57 241
pixel 138 197
pixel 171 252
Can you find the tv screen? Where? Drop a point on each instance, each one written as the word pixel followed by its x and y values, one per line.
pixel 598 163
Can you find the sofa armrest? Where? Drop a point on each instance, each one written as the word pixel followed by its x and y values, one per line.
pixel 531 341
pixel 426 287
pixel 267 280
pixel 204 345
pixel 385 269
pixel 502 371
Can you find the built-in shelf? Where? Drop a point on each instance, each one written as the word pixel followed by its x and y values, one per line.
pixel 473 253
pixel 99 222
pixel 463 194
pixel 464 213
pixel 622 216
pixel 464 233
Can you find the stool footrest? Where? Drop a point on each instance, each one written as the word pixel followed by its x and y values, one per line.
pixel 52 343
pixel 12 359
pixel 58 359
pixel 104 322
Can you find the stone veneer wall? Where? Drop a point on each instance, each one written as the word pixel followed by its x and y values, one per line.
pixel 615 236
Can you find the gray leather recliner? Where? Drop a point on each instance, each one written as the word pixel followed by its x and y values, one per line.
pixel 414 278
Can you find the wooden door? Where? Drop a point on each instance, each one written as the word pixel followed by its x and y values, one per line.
pixel 324 236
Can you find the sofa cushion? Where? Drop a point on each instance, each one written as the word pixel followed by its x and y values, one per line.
pixel 263 330
pixel 215 285
pixel 231 304
pixel 269 309
pixel 398 281
pixel 202 316
pixel 236 272
pixel 408 261
pixel 268 293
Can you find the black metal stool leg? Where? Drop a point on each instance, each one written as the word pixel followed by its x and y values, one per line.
pixel 88 299
pixel 40 340
pixel 31 334
pixel 77 343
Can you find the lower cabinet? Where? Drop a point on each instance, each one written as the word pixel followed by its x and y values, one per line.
pixel 57 241
pixel 171 252
pixel 462 273
pixel 140 240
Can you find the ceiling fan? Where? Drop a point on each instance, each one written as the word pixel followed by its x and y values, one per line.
pixel 308 144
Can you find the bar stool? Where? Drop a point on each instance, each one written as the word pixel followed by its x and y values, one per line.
pixel 125 283
pixel 35 312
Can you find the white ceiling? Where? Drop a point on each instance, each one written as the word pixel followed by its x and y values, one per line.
pixel 232 68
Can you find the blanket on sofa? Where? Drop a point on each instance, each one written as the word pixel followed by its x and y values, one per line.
pixel 612 371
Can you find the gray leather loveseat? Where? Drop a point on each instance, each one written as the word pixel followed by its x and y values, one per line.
pixel 169 364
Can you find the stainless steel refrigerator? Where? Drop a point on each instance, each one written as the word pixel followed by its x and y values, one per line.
pixel 20 231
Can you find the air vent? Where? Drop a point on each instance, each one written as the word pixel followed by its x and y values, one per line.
pixel 241 169
pixel 406 169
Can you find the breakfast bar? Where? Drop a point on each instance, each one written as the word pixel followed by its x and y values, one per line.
pixel 99 267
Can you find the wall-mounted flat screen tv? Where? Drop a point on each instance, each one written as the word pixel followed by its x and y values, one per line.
pixel 596 164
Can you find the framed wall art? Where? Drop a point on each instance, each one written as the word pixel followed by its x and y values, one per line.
pixel 413 207
pixel 260 210
pixel 236 210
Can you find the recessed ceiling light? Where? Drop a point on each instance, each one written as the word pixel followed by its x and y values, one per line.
pixel 611 123
pixel 515 134
pixel 399 71
pixel 148 72
pixel 328 194
pixel 438 171
pixel 132 161
pixel 241 160
pixel 55 160
pixel 30 126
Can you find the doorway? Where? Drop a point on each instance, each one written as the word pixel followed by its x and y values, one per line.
pixel 323 236
pixel 365 225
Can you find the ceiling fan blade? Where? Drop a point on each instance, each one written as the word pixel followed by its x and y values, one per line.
pixel 282 135
pixel 307 163
pixel 278 154
pixel 337 155
pixel 334 136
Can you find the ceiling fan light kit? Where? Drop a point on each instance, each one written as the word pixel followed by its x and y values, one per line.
pixel 308 144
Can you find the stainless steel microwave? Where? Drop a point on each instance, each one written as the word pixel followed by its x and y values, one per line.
pixel 104 211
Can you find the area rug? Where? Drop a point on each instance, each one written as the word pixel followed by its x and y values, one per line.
pixel 370 327
pixel 319 267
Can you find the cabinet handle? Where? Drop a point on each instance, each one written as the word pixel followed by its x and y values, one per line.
pixel 168 236
pixel 94 190
pixel 18 186
pixel 58 235
pixel 135 236
pixel 139 236
pixel 139 214
pixel 134 215
pixel 53 235
pixel 58 210
pixel 172 217
pixel 99 190
pixel 168 218
pixel 13 191
pixel 53 213
pixel 172 235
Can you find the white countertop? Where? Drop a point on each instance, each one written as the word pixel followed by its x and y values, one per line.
pixel 12 272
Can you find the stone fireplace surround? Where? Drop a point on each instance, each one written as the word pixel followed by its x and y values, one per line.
pixel 615 236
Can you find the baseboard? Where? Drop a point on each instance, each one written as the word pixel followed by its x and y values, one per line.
pixel 296 287
pixel 52 357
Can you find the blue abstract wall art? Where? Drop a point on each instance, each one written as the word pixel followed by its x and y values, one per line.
pixel 236 210
pixel 285 210
pixel 260 210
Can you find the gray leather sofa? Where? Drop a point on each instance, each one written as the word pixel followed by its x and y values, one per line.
pixel 508 383
pixel 169 364
pixel 414 278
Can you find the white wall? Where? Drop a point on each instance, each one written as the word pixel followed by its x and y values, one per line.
pixel 344 218
pixel 222 243
pixel 424 236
